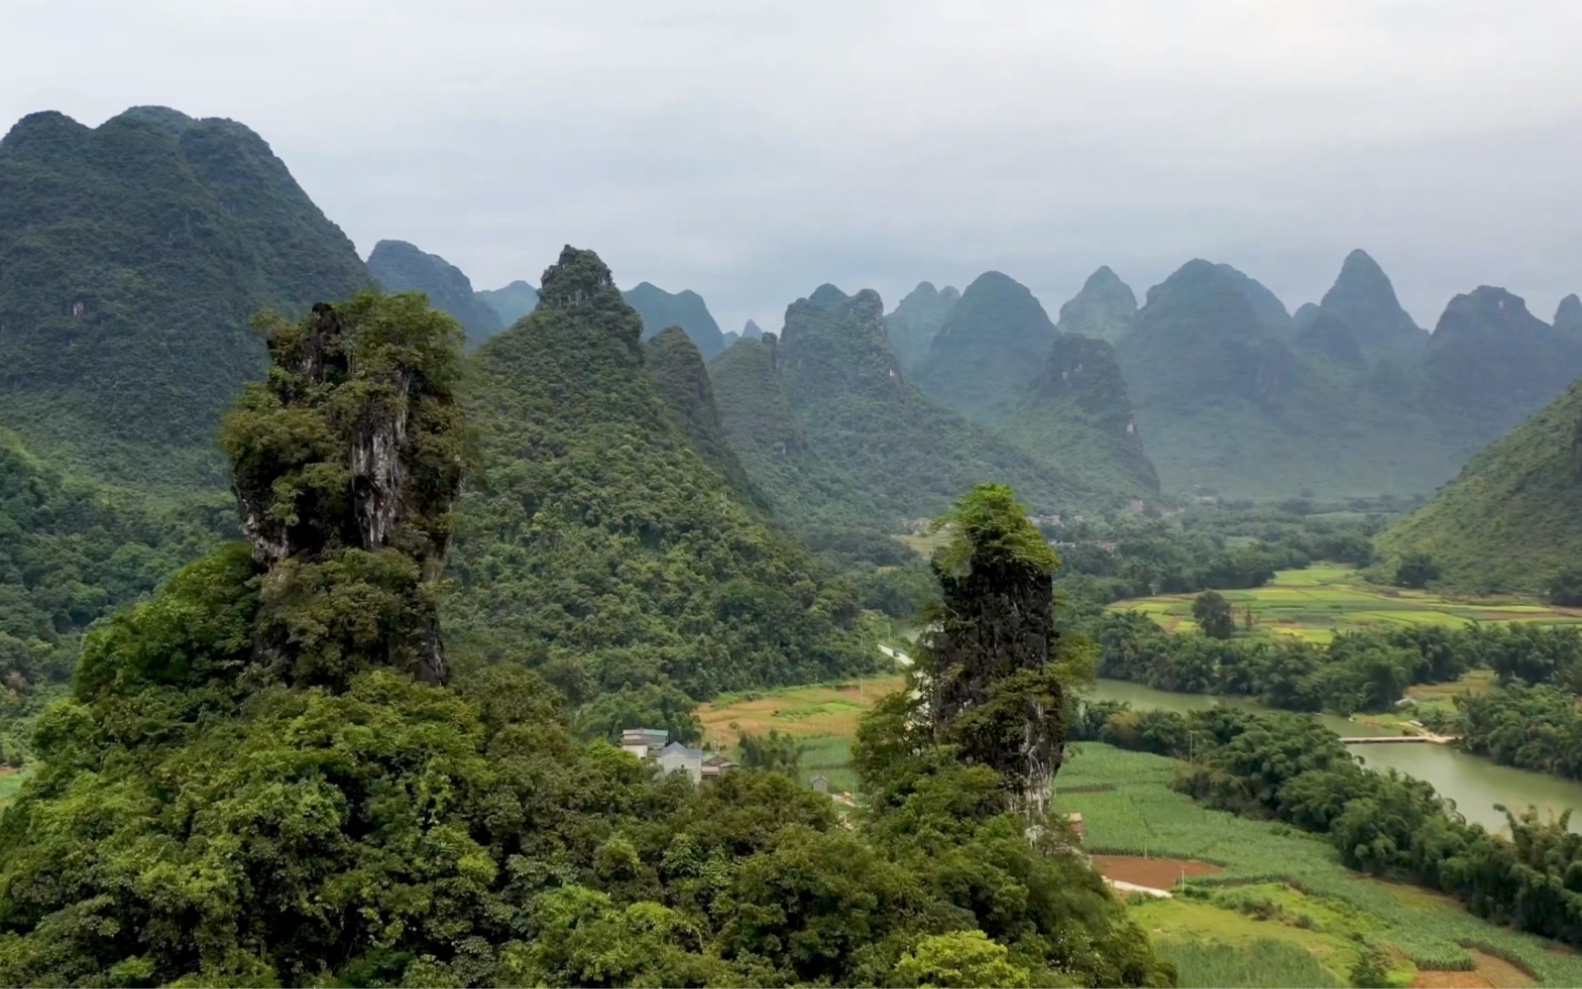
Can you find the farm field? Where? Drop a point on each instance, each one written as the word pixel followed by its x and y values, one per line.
pixel 1280 891
pixel 1315 603
pixel 823 717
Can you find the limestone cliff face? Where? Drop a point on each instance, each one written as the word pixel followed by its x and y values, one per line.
pixel 346 464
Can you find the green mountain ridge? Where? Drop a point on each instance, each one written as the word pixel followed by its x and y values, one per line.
pixel 992 344
pixel 1512 519
pixel 830 427
pixel 402 267
pixel 1227 404
pixel 659 309
pixel 132 258
pixel 601 544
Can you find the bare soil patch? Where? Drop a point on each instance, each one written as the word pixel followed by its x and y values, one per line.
pixel 1489 972
pixel 1154 873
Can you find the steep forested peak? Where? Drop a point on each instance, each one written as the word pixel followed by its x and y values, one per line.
pixel 149 235
pixel 1211 290
pixel 512 302
pixel 660 309
pixel 1489 312
pixel 991 344
pixel 837 346
pixel 401 267
pixel 1329 334
pixel 676 368
pixel 1568 317
pixel 997 308
pixel 1363 299
pixel 1103 310
pixel 827 296
pixel 914 323
pixel 750 331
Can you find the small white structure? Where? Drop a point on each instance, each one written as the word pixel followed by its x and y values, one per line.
pixel 820 783
pixel 644 743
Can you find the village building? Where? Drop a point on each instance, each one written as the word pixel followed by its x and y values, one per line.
pixel 653 745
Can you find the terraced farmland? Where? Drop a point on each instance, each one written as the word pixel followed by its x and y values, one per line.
pixel 1317 602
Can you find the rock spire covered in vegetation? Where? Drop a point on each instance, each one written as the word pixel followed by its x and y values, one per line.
pixel 346 463
pixel 992 689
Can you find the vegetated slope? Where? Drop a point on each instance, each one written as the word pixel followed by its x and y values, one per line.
pixel 682 380
pixel 72 550
pixel 992 344
pixel 401 267
pixel 659 309
pixel 510 303
pixel 1227 404
pixel 1103 310
pixel 916 320
pixel 599 542
pixel 1078 419
pixel 1491 364
pixel 1512 519
pixel 132 257
pixel 863 445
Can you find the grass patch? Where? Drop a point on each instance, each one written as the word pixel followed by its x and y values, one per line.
pixel 11 783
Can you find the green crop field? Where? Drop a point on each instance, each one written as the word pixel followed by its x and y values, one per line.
pixel 1277 885
pixel 1317 602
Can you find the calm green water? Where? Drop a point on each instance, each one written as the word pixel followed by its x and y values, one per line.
pixel 1476 785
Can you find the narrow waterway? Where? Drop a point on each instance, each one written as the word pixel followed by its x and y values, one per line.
pixel 1475 784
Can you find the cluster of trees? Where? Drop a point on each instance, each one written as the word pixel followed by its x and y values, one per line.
pixel 270 773
pixel 1531 720
pixel 1356 671
pixel 1292 769
pixel 71 551
pixel 1139 556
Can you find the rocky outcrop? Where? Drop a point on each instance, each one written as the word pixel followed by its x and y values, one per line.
pixel 352 447
pixel 1568 317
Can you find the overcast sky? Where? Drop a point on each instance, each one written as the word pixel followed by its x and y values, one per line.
pixel 751 151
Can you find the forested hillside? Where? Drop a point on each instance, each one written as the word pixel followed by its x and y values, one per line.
pixel 1226 403
pixel 401 267
pixel 991 345
pixel 861 444
pixel 1512 519
pixel 917 319
pixel 599 545
pixel 1103 310
pixel 1078 419
pixel 132 257
pixel 682 380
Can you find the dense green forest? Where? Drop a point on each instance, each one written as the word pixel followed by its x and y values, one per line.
pixel 275 772
pixel 660 310
pixel 598 545
pixel 988 349
pixel 132 257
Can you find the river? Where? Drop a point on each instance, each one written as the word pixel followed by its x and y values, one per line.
pixel 1475 784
